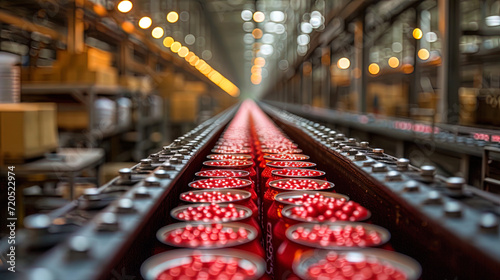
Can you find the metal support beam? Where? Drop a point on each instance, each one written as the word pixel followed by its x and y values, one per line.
pixel 361 57
pixel 76 27
pixel 449 76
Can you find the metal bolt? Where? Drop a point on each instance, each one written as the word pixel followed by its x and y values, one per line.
pixel 359 156
pixel 411 186
pixel 455 183
pixel 166 150
pixel 324 137
pixel 402 164
pixel 335 144
pixel 79 246
pixel 433 197
pixel 155 158
pixel 184 151
pixel 167 166
pixel 151 182
pixel 161 174
pixel 352 152
pixel 332 133
pixel 453 209
pixel 37 221
pixel 368 163
pixel 146 162
pixel 125 174
pixel 142 192
pixel 321 127
pixel 340 146
pixel 378 151
pixel 393 176
pixel 345 149
pixel 40 273
pixel 91 194
pixel 352 141
pixel 488 223
pixel 379 167
pixel 364 144
pixel 340 137
pixel 125 205
pixel 179 156
pixel 108 222
pixel 428 170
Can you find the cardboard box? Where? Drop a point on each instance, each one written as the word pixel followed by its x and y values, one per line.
pixel 184 107
pixel 107 76
pixel 92 59
pixel 72 117
pixel 27 130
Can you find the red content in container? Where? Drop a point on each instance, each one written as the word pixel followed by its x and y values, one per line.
pixel 338 210
pixel 290 172
pixel 211 212
pixel 220 183
pixel 342 236
pixel 214 267
pixel 213 196
pixel 229 156
pixel 217 173
pixel 240 197
pixel 228 162
pixel 301 184
pixel 211 236
pixel 344 267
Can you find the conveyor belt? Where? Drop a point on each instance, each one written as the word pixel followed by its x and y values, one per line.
pixel 436 221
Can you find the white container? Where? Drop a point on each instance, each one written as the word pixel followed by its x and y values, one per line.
pixel 105 114
pixel 124 117
pixel 10 76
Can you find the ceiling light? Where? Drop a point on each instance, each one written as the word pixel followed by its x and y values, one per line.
pixel 393 62
pixel 417 33
pixel 157 32
pixel 175 47
pixel 183 51
pixel 277 16
pixel 145 22
pixel 167 42
pixel 259 17
pixel 246 15
pixel 374 69
pixel 343 63
pixel 172 17
pixel 125 6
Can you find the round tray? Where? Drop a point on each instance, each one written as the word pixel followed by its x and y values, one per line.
pixel 230 156
pixel 162 232
pixel 299 193
pixel 305 163
pixel 244 194
pixel 276 157
pixel 384 234
pixel 178 209
pixel 318 172
pixel 248 183
pixel 238 164
pixel 242 173
pixel 272 184
pixel 156 264
pixel 287 212
pixel 409 266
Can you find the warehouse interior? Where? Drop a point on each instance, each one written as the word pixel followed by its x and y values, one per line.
pixel 110 110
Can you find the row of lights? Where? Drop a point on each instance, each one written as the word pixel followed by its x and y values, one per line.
pixel 393 62
pixel 202 66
